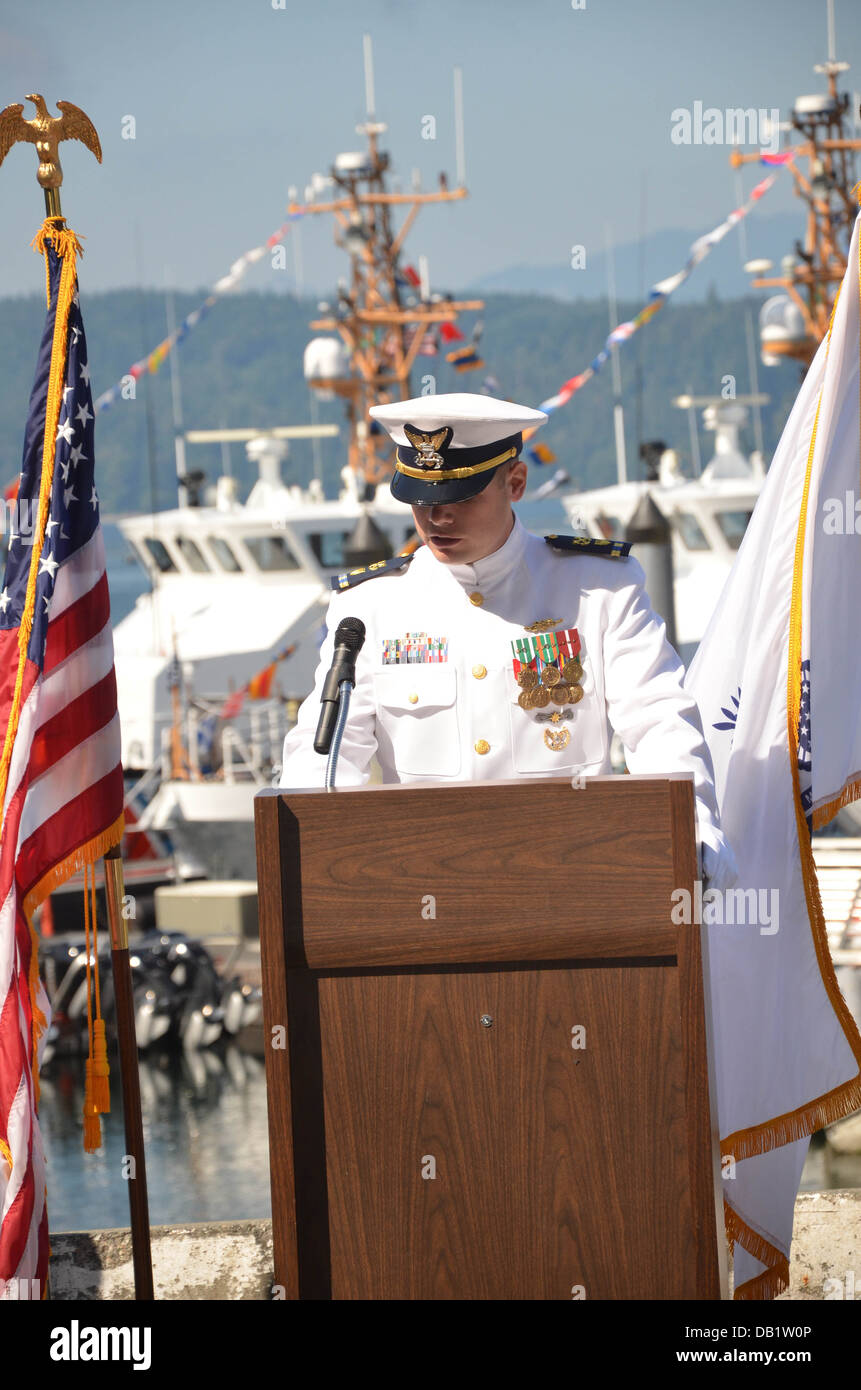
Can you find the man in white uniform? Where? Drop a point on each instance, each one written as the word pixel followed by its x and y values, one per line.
pixel 495 653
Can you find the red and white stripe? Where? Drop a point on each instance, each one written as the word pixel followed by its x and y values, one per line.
pixel 65 787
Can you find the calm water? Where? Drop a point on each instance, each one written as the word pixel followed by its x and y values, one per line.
pixel 205 1137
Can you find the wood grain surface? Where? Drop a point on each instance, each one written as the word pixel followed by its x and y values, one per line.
pixel 533 870
pixel 559 1170
pixel 555 1167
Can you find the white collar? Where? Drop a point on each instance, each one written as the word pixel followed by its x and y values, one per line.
pixel 487 572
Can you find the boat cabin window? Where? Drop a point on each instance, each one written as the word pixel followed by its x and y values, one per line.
pixel 328 546
pixel 271 553
pixel 733 525
pixel 159 553
pixel 691 532
pixel 192 554
pixel 223 554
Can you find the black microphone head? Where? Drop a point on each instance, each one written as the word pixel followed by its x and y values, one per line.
pixel 350 633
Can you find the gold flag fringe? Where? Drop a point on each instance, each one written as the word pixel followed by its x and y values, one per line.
pixel 828 810
pixel 88 853
pixel 775 1278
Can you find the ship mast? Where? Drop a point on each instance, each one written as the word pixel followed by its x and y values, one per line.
pixel 381 334
pixel 812 276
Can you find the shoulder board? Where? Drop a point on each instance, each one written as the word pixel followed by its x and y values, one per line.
pixel 350 578
pixel 587 545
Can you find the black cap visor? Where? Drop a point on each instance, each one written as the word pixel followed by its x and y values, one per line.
pixel 419 493
pixel 431 490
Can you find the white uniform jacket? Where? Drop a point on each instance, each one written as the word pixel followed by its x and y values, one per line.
pixel 459 720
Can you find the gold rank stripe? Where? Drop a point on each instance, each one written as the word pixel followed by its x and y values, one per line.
pixel 444 475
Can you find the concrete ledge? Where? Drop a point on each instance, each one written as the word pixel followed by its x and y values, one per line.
pixel 212 1260
pixel 826 1246
pixel 233 1259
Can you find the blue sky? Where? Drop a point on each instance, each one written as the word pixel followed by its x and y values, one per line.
pixel 568 119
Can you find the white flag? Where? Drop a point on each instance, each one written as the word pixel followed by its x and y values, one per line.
pixel 778 681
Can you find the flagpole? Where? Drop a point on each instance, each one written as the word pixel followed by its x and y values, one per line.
pixel 123 993
pixel 46 132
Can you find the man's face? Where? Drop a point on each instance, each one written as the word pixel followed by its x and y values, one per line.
pixel 459 533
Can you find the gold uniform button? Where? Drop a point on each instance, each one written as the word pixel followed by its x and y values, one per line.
pixel 413 699
pixel 477 599
pixel 479 672
pixel 482 746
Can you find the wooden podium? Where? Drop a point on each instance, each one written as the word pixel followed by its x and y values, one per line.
pixel 486 1046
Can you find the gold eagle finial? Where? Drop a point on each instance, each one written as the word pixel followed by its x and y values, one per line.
pixel 45 132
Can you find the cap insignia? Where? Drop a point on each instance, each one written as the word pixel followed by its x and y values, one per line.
pixel 429 446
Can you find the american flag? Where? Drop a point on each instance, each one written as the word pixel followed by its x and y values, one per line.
pixel 60 774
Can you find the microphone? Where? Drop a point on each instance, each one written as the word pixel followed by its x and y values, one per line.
pixel 349 639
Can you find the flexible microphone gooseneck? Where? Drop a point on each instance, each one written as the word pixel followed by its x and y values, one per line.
pixel 349 639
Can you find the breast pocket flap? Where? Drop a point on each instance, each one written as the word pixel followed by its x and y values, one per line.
pixel 416 689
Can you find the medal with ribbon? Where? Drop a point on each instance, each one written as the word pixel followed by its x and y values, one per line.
pixel 548 669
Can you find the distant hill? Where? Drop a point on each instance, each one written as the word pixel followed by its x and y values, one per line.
pixel 637 268
pixel 243 366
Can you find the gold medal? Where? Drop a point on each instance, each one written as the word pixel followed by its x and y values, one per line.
pixel 561 695
pixel 550 677
pixel 540 697
pixel 527 679
pixel 575 693
pixel 557 739
pixel 572 671
pixel 525 699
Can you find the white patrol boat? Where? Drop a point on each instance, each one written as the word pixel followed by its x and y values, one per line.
pixel 707 514
pixel 233 586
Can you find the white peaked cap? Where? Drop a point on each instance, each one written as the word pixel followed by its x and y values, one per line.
pixel 475 420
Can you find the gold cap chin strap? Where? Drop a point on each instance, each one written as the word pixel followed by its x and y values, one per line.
pixel 444 475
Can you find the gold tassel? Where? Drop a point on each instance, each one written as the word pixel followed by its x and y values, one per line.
pixel 92 1123
pixel 63 239
pixel 101 1070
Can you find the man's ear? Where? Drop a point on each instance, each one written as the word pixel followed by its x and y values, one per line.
pixel 516 480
